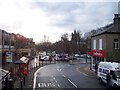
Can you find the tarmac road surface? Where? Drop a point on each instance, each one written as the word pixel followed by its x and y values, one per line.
pixel 64 75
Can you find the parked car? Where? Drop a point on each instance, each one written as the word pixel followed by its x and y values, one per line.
pixel 72 58
pixel 45 58
pixel 58 57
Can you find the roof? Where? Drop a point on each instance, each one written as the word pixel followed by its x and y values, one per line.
pixel 22 60
pixel 108 29
pixel 3 74
pixel 111 65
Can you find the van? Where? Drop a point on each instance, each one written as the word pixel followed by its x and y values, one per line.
pixel 113 68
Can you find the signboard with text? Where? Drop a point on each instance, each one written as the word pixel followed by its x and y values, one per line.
pixel 9 56
pixel 98 53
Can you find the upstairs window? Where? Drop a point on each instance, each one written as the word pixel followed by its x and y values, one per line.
pixel 94 44
pixel 100 44
pixel 116 44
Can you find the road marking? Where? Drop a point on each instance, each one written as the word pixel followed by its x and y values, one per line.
pixel 72 83
pixel 34 84
pixel 53 84
pixel 82 72
pixel 63 75
pixel 59 69
pixel 55 81
pixel 58 85
pixel 44 85
pixel 49 84
pixel 40 84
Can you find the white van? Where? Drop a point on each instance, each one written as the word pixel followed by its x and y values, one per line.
pixel 113 68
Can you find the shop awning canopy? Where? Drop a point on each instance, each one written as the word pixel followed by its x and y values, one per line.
pixel 3 74
pixel 22 60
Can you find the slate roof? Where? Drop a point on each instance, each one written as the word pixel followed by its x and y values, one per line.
pixel 22 60
pixel 3 74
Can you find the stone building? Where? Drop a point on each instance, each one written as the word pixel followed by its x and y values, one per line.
pixel 105 45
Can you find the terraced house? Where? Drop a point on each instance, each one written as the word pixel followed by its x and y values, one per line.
pixel 105 45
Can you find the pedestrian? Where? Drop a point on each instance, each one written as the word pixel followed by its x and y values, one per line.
pixel 108 78
pixel 96 68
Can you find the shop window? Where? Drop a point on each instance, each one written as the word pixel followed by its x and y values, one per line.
pixel 116 44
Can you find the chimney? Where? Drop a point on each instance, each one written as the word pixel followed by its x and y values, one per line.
pixel 116 19
pixel 117 22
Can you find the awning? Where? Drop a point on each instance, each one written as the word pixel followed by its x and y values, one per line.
pixel 3 74
pixel 22 60
pixel 98 53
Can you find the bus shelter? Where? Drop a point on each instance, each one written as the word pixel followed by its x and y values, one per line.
pixel 21 66
pixel 4 76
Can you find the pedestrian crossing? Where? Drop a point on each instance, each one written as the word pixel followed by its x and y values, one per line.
pixel 46 85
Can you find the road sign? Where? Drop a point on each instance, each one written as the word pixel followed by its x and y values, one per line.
pixel 9 56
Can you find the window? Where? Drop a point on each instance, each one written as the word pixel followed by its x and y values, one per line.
pixel 94 44
pixel 100 44
pixel 116 44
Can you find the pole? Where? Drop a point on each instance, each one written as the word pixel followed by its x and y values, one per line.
pixel 20 84
pixel 86 58
pixel 24 79
pixel 90 63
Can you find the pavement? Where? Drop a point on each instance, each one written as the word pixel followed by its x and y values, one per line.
pixel 29 79
pixel 86 70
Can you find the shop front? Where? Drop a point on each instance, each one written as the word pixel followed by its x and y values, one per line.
pixel 96 57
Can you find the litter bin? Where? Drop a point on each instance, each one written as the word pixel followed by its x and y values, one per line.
pixel 10 84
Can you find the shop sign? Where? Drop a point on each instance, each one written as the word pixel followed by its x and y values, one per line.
pixel 99 53
pixel 9 56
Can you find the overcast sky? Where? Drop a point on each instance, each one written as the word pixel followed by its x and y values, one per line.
pixel 35 18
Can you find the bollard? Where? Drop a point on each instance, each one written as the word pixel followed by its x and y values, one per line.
pixel 39 63
pixel 36 64
pixel 24 79
pixel 17 88
pixel 42 63
pixel 20 84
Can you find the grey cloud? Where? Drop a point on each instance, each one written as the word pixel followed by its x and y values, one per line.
pixel 79 14
pixel 59 7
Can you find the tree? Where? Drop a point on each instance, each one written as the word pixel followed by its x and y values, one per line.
pixel 65 43
pixel 44 46
pixel 75 41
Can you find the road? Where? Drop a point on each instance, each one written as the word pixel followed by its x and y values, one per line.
pixel 64 75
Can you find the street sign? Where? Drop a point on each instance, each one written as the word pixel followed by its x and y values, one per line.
pixel 9 56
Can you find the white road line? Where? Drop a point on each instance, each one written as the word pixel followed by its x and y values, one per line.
pixel 53 84
pixel 57 69
pixel 58 85
pixel 68 65
pixel 55 81
pixel 54 78
pixel 63 75
pixel 82 72
pixel 34 84
pixel 44 84
pixel 72 83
